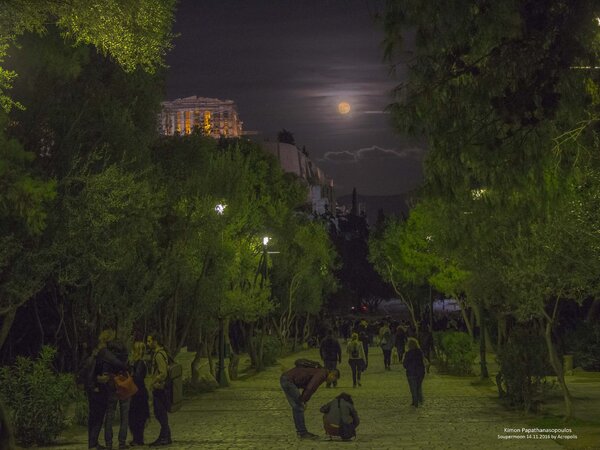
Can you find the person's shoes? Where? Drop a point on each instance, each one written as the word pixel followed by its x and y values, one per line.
pixel 359 383
pixel 101 447
pixel 136 444
pixel 160 442
pixel 123 446
pixel 307 435
pixel 335 384
pixel 327 385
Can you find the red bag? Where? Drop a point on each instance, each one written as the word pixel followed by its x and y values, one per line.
pixel 124 386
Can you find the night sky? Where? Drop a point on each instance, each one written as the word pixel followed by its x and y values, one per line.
pixel 288 64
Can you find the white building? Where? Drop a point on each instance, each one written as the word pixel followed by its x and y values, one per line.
pixel 292 160
pixel 212 116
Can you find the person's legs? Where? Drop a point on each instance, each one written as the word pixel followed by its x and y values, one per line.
pixel 124 411
pixel 292 395
pixel 159 403
pixel 413 385
pixel 420 390
pixel 353 367
pixel 109 418
pixel 96 412
pixel 366 349
pixel 387 358
pixel 330 365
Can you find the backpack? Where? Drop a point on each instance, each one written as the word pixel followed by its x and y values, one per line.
pixel 387 336
pixel 354 352
pixel 307 364
pixel 173 383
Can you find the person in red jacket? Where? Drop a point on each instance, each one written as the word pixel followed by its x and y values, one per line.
pixel 307 379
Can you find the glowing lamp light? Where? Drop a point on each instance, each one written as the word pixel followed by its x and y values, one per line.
pixel 266 240
pixel 220 209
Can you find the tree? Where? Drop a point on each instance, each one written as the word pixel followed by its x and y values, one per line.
pixel 286 137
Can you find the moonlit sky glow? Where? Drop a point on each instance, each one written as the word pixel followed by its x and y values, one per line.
pixel 289 64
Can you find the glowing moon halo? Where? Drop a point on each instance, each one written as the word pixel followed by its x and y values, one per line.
pixel 344 108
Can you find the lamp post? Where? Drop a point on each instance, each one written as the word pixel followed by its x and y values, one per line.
pixel 221 376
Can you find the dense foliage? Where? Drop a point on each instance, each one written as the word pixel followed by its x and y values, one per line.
pixel 37 397
pixel 506 95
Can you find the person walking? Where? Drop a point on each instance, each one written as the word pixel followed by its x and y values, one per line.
pixel 120 352
pixel 363 336
pixel 400 341
pixel 340 417
pixel 386 342
pixel 309 380
pixel 356 358
pixel 331 353
pixel 139 412
pixel 160 401
pixel 415 370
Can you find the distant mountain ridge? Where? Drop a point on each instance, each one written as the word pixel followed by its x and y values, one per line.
pixel 392 205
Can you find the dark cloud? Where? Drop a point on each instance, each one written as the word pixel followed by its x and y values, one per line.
pixel 373 153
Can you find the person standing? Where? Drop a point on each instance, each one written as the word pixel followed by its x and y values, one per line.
pixel 356 358
pixel 415 370
pixel 386 342
pixel 96 385
pixel 160 401
pixel 331 353
pixel 309 380
pixel 120 352
pixel 139 412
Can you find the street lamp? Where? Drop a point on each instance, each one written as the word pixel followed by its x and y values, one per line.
pixel 221 376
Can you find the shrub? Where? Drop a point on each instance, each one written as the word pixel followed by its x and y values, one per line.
pixel 584 343
pixel 271 350
pixel 524 366
pixel 80 414
pixel 37 397
pixel 455 352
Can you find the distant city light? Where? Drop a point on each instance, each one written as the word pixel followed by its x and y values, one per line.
pixel 266 240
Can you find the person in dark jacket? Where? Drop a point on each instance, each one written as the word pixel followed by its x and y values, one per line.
pixel 340 417
pixel 386 342
pixel 400 341
pixel 307 379
pixel 415 370
pixel 118 349
pixel 331 353
pixel 363 336
pixel 139 411
pixel 98 389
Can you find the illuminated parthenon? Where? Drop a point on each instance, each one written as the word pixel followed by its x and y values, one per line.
pixel 213 117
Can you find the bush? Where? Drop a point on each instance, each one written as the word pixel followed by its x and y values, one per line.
pixel 80 415
pixel 584 343
pixel 271 350
pixel 524 366
pixel 455 352
pixel 37 398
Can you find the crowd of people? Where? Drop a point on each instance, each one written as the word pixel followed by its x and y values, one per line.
pixel 147 364
pixel 340 415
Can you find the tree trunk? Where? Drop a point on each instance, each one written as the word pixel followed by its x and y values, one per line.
pixel 482 350
pixel 7 320
pixel 558 368
pixel 467 321
pixel 195 366
pixel 295 343
pixel 306 332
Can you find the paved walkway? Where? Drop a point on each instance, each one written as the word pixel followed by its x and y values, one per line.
pixel 253 414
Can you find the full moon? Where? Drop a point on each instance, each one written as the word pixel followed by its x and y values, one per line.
pixel 344 108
